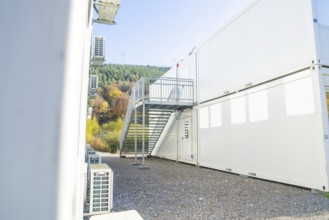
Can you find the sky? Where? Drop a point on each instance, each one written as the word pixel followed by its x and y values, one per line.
pixel 160 33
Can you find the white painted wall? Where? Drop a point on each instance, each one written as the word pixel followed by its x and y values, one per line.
pixel 187 69
pixel 274 130
pixel 43 99
pixel 166 146
pixel 269 39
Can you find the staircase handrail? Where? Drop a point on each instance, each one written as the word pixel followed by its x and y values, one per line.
pixel 126 122
pixel 173 91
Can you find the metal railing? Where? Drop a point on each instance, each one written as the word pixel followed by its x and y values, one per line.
pixel 126 122
pixel 162 90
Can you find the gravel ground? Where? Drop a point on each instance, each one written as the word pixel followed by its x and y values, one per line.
pixel 171 190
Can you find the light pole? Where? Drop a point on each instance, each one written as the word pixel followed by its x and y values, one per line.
pixel 123 58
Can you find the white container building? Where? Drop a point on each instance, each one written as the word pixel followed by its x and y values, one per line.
pixel 52 47
pixel 261 91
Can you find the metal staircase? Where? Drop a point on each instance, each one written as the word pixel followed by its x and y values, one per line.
pixel 151 104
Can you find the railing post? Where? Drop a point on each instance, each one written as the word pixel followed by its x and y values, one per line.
pixel 143 166
pixel 138 90
pixel 143 138
pixel 135 135
pixel 161 84
pixel 135 138
pixel 135 130
pixel 177 69
pixel 143 151
pixel 192 92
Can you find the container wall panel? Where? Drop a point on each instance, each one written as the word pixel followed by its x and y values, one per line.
pixel 271 137
pixel 257 46
pixel 171 72
pixel 187 69
pixel 207 75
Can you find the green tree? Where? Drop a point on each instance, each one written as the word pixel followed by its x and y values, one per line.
pixel 113 140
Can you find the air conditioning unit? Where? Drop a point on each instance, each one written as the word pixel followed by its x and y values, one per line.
pixel 93 86
pixel 101 189
pixel 106 10
pixel 98 50
pixel 94 159
pixel 90 158
pixel 89 150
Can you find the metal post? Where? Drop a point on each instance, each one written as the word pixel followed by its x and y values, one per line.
pixel 143 166
pixel 161 90
pixel 135 138
pixel 133 95
pixel 143 126
pixel 143 150
pixel 135 163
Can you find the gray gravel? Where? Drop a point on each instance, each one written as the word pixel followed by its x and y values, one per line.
pixel 171 190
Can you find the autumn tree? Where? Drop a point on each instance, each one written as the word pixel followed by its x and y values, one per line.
pixel 111 93
pixel 92 128
pixel 120 106
pixel 101 109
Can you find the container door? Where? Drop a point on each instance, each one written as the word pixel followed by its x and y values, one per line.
pixel 185 150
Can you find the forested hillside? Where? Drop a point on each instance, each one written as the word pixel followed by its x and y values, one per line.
pixel 126 73
pixel 109 106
